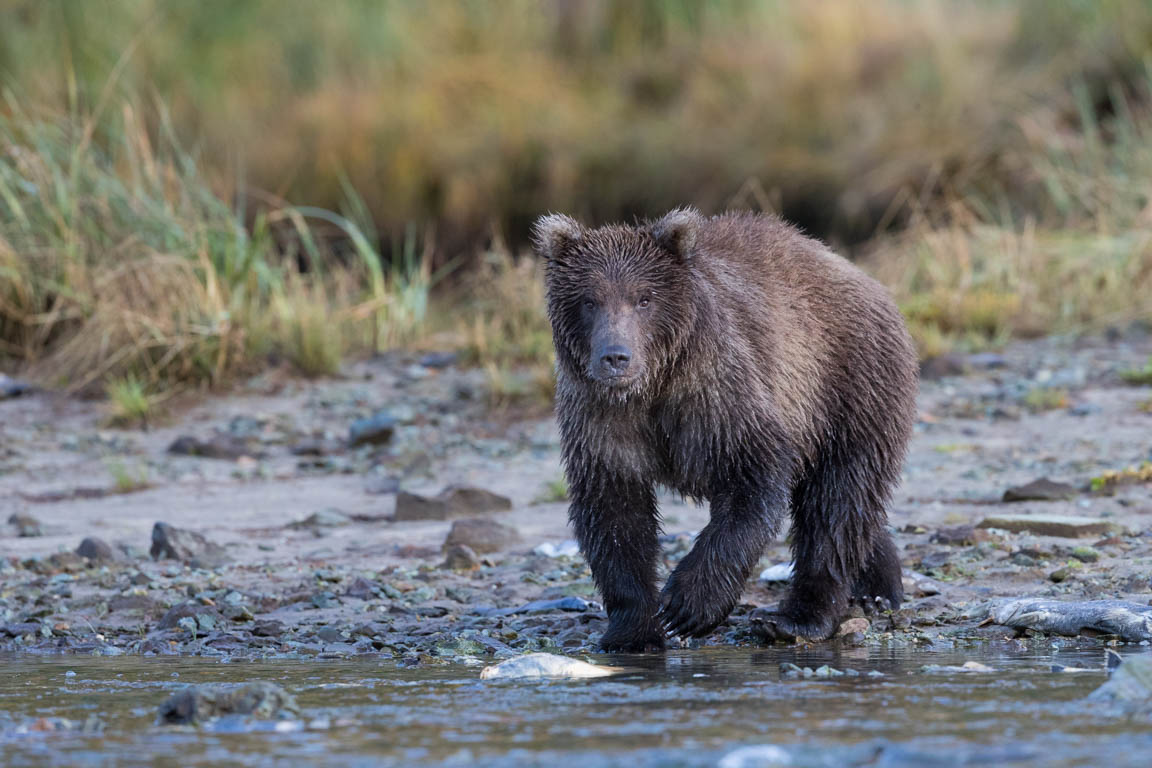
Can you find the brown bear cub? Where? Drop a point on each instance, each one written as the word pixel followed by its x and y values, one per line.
pixel 735 360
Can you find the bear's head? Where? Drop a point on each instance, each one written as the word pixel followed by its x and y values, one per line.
pixel 619 297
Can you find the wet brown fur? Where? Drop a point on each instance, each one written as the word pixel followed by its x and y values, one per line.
pixel 764 374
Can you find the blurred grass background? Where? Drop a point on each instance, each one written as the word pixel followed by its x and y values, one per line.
pixel 189 189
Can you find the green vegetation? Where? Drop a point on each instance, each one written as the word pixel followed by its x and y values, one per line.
pixel 986 160
pixel 127 479
pixel 1139 376
pixel 1113 479
pixel 131 404
pixel 554 491
pixel 1046 399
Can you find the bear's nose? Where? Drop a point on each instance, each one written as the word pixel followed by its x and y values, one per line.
pixel 616 358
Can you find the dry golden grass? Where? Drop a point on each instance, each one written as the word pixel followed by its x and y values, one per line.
pixel 506 331
pixel 118 263
pixel 463 114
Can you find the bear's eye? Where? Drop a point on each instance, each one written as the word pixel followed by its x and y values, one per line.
pixel 644 302
pixel 589 304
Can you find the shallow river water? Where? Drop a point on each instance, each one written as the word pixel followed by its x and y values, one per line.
pixel 727 707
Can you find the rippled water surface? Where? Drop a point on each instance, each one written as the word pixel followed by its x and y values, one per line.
pixel 688 708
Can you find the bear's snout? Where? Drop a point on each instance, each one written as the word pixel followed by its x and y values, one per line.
pixel 614 360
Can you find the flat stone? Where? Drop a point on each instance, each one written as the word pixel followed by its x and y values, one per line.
pixel 169 542
pixel 1041 489
pixel 325 518
pixel 482 535
pixel 451 503
pixel 1064 526
pixel 220 446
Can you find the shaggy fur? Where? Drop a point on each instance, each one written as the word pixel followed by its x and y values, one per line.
pixel 735 360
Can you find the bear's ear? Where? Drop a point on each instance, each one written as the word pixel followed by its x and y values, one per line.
pixel 554 234
pixel 676 232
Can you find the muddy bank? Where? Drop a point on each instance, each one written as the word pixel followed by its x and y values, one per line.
pixel 310 518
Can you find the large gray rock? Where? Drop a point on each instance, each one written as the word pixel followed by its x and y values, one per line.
pixel 451 503
pixel 1129 686
pixel 189 547
pixel 482 535
pixel 198 703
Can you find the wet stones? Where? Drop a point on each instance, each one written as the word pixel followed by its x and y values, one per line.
pixel 1062 526
pixel 268 628
pixel 199 703
pixel 482 535
pixel 192 617
pixel 452 503
pixel 1041 489
pixel 189 547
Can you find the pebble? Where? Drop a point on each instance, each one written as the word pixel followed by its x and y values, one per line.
pixel 376 429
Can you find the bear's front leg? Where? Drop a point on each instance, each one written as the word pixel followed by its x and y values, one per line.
pixel 617 526
pixel 708 582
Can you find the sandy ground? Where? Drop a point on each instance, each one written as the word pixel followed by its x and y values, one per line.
pixel 1053 408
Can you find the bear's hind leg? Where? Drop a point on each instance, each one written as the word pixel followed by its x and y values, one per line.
pixel 879 586
pixel 839 542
